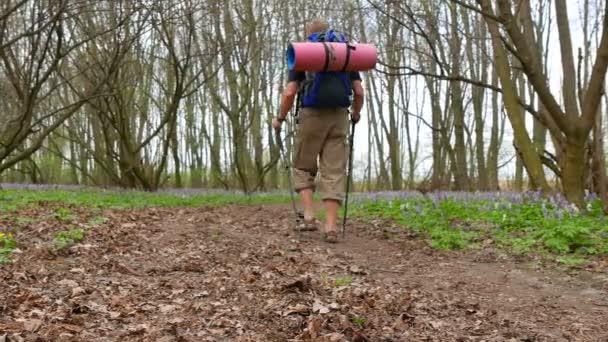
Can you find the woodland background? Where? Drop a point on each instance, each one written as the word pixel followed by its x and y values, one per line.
pixel 467 95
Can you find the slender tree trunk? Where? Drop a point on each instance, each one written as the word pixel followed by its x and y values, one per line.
pixel 460 176
pixel 176 161
pixel 519 165
pixel 492 165
pixel 438 161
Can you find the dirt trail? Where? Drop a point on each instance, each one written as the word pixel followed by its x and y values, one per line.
pixel 239 273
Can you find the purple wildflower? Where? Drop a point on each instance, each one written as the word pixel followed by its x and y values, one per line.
pixel 545 211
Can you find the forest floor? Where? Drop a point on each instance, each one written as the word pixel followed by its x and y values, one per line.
pixel 240 273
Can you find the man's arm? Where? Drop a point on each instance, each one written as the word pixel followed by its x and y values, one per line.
pixel 287 98
pixel 358 100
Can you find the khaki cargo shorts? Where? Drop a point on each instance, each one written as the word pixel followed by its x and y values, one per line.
pixel 321 145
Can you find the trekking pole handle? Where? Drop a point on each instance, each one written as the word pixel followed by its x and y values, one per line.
pixel 277 135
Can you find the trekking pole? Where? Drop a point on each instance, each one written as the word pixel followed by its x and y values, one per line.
pixel 349 176
pixel 287 167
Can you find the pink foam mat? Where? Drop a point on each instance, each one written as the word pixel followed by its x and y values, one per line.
pixel 312 56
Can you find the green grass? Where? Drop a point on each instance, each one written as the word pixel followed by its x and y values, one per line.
pixel 65 214
pixel 571 260
pixel 358 321
pixel 522 228
pixel 12 199
pixel 7 245
pixel 68 238
pixel 97 199
pixel 24 221
pixel 342 281
pixel 519 228
pixel 95 221
pixel 320 214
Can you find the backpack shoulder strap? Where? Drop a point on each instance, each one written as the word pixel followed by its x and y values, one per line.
pixel 314 37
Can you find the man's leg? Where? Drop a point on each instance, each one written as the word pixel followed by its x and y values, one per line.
pixel 309 141
pixel 304 182
pixel 307 201
pixel 331 214
pixel 332 167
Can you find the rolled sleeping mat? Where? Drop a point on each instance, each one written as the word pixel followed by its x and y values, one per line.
pixel 313 56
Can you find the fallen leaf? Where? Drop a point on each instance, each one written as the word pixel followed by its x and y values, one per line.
pixel 77 291
pixel 360 338
pixel 36 312
pixel 71 327
pixel 32 325
pixel 296 309
pixel 11 327
pixel 137 329
pixel 198 306
pixel 302 284
pixel 166 338
pixel 320 308
pixel 357 292
pixel 15 338
pixel 436 324
pixel 97 307
pixel 356 270
pixel 334 337
pixel 176 320
pixel 177 292
pixel 84 246
pixel 166 308
pixel 201 294
pixel 217 331
pixel 116 301
pixel 314 327
pixel 68 283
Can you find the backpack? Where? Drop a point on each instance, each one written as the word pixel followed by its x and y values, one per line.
pixel 326 89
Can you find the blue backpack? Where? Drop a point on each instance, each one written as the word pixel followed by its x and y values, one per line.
pixel 326 89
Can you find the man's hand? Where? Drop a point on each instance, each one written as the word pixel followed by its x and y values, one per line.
pixel 276 123
pixel 355 117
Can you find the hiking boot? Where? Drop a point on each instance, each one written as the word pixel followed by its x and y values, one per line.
pixel 308 225
pixel 330 236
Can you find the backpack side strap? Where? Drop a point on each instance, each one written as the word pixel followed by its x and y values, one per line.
pixel 326 47
pixel 348 50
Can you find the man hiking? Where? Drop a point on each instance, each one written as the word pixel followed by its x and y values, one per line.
pixel 320 141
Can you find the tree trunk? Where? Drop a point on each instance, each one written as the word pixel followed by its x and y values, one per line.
pixel 492 164
pixel 438 162
pixel 518 184
pixel 460 176
pixel 573 170
pixel 176 161
pixel 523 143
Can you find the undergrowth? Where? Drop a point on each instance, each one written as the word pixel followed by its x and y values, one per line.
pixel 519 224
pixel 68 238
pixel 11 199
pixel 7 245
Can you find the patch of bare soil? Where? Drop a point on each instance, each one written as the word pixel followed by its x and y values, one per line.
pixel 240 273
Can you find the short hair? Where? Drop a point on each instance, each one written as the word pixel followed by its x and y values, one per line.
pixel 317 25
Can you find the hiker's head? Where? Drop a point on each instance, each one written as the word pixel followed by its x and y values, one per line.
pixel 317 25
